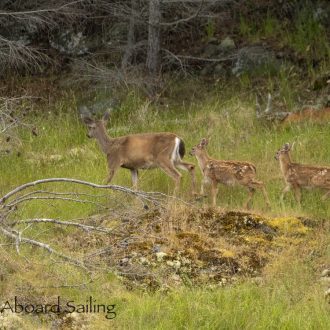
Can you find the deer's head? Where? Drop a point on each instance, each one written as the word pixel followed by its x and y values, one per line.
pixel 95 125
pixel 284 150
pixel 196 150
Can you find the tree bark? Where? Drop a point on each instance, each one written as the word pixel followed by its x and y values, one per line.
pixel 153 56
pixel 129 50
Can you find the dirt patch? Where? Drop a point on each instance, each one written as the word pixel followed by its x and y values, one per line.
pixel 163 249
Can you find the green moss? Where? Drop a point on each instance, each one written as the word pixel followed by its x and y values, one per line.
pixel 289 225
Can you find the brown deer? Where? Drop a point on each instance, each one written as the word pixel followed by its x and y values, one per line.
pixel 140 151
pixel 297 176
pixel 288 118
pixel 308 114
pixel 226 172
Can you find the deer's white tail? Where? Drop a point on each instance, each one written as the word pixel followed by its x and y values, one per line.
pixel 178 150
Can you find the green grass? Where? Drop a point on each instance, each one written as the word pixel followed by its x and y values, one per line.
pixel 291 300
pixel 290 297
pixel 63 150
pixel 243 307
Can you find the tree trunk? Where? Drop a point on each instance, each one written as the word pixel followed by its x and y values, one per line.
pixel 153 56
pixel 129 50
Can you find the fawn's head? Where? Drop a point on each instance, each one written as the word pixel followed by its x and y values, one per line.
pixel 284 150
pixel 196 150
pixel 95 125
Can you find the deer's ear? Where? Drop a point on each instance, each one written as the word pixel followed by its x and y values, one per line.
pixel 204 142
pixel 87 120
pixel 106 116
pixel 287 146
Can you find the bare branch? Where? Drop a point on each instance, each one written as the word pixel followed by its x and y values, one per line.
pixel 15 236
pixel 37 11
pixel 175 57
pixel 186 19
pixel 204 59
pixel 66 223
pixel 143 195
pixel 83 201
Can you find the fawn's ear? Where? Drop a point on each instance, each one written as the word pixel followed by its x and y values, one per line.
pixel 87 120
pixel 204 142
pixel 287 147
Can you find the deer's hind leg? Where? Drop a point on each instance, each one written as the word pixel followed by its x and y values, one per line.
pixel 247 204
pixel 260 185
pixel 169 168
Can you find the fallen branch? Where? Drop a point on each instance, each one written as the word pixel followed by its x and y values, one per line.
pixel 17 237
pixel 143 195
pixel 66 223
pixel 83 201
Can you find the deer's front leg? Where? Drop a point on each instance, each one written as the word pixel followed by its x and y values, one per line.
pixel 297 194
pixel 247 204
pixel 214 192
pixel 134 174
pixel 284 191
pixel 113 167
pixel 110 176
pixel 204 182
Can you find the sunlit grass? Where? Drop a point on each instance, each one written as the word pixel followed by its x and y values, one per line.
pixel 289 301
pixel 62 150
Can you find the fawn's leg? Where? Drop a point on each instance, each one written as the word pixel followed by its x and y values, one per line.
pixel 214 192
pixel 284 191
pixel 297 194
pixel 264 192
pixel 261 186
pixel 202 186
pixel 247 204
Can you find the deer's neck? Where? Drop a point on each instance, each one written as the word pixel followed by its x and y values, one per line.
pixel 285 162
pixel 202 159
pixel 103 139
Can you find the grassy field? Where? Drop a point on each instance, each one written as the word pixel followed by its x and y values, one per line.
pixel 289 295
pixel 62 149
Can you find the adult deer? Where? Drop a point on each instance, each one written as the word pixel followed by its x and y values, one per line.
pixel 140 151
pixel 287 118
pixel 228 173
pixel 297 176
